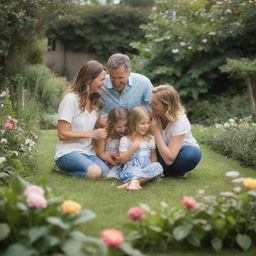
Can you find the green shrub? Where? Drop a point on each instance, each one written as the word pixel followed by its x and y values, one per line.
pixel 35 222
pixel 222 221
pixel 235 140
pixel 217 109
pixel 17 143
pixel 36 51
pixel 102 30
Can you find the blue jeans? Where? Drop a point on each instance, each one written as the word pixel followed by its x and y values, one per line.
pixel 76 164
pixel 186 160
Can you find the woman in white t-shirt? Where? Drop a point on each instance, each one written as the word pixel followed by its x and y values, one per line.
pixel 77 116
pixel 178 151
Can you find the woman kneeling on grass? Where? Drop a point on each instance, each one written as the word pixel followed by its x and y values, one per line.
pixel 77 115
pixel 178 151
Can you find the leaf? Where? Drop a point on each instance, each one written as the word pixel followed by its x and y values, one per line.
pixel 180 232
pixel 155 228
pixel 35 233
pixel 244 241
pixel 194 240
pixel 216 244
pixel 18 249
pixel 23 182
pixel 129 250
pixel 84 216
pixel 72 247
pixel 58 222
pixel 4 231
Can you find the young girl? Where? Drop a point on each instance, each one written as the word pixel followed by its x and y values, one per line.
pixel 108 149
pixel 137 151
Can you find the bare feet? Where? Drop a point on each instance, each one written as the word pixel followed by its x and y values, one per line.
pixel 134 185
pixel 124 185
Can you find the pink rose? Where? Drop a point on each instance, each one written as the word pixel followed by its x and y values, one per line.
pixel 112 237
pixel 33 189
pixel 36 200
pixel 189 202
pixel 176 50
pixel 8 125
pixel 136 212
pixel 12 120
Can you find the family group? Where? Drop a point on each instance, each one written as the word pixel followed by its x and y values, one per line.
pixel 118 125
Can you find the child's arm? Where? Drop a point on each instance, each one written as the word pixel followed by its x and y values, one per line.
pixel 100 151
pixel 153 155
pixel 125 156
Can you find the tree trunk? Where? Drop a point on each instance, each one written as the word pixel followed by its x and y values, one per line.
pixel 251 98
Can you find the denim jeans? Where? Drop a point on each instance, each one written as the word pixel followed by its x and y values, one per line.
pixel 76 164
pixel 186 160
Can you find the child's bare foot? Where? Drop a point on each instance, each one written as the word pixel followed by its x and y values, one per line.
pixel 134 185
pixel 124 185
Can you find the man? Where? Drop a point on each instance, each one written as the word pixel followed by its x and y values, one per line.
pixel 122 87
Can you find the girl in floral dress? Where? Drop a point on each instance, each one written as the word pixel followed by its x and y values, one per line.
pixel 108 149
pixel 137 151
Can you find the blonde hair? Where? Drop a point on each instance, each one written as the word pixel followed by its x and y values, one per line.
pixel 169 97
pixel 135 116
pixel 115 115
pixel 81 86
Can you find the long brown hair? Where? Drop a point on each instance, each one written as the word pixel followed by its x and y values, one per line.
pixel 81 86
pixel 169 97
pixel 115 115
pixel 134 117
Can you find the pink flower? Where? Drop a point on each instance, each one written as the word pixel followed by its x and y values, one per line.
pixel 112 237
pixel 183 44
pixel 204 40
pixel 12 120
pixel 136 212
pixel 176 50
pixel 8 125
pixel 190 47
pixel 33 189
pixel 189 202
pixel 36 200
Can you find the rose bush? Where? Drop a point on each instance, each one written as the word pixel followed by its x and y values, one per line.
pixel 225 220
pixel 34 222
pixel 17 144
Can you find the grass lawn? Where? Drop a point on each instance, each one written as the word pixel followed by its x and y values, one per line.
pixel 111 205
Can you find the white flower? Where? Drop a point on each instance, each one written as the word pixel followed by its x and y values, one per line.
pixel 227 194
pixel 251 193
pixel 232 174
pixel 237 189
pixel 3 140
pixel 3 94
pixel 200 192
pixel 164 205
pixel 238 180
pixel 2 159
pixel 228 11
pixel 218 125
pixel 204 40
pixel 226 125
pixel 183 44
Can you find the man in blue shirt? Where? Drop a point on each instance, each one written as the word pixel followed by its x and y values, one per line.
pixel 122 87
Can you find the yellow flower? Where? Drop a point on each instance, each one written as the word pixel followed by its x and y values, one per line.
pixel 71 207
pixel 249 183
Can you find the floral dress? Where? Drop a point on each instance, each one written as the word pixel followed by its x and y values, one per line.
pixel 139 165
pixel 112 145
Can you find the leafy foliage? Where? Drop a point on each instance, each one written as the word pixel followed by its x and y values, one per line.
pixel 103 30
pixel 235 138
pixel 188 40
pixel 225 220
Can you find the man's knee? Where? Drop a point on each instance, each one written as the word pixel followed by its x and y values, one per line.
pixel 93 171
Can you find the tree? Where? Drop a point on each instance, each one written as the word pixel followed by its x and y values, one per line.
pixel 187 40
pixel 244 69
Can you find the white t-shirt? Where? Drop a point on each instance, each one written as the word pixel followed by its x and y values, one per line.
pixel 181 126
pixel 80 122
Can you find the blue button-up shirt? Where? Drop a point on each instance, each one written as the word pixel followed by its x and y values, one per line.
pixel 137 91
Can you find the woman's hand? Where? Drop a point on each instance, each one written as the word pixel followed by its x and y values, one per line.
pixel 154 125
pixel 100 133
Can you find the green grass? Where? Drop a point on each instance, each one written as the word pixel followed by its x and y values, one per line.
pixel 111 205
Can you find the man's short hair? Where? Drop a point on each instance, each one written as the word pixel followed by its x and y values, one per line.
pixel 118 60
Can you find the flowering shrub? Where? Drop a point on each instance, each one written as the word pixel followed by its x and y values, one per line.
pixel 235 139
pixel 16 143
pixel 34 222
pixel 225 220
